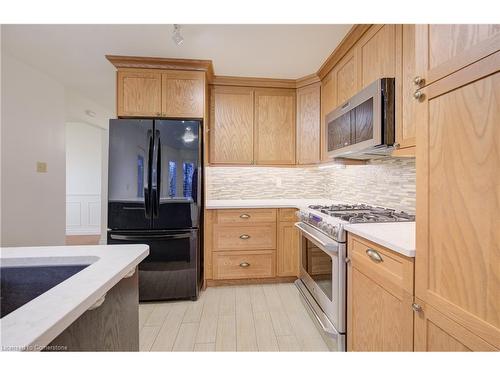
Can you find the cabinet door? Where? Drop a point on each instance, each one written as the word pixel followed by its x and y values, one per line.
pixel 288 249
pixel 231 129
pixel 183 94
pixel 435 332
pixel 308 124
pixel 328 103
pixel 379 54
pixel 458 179
pixel 448 48
pixel 405 129
pixel 346 77
pixel 138 93
pixel 275 126
pixel 379 299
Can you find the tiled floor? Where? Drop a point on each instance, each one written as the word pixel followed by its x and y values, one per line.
pixel 238 318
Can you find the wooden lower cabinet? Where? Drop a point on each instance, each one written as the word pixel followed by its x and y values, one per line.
pixel 288 249
pixel 436 332
pixel 379 299
pixel 247 264
pixel 251 244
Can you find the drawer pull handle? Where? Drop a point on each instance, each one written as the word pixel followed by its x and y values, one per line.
pixel 374 255
pixel 244 264
pixel 245 216
pixel 244 236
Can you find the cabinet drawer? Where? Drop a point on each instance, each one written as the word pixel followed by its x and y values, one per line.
pixel 246 216
pixel 393 271
pixel 287 214
pixel 244 237
pixel 243 264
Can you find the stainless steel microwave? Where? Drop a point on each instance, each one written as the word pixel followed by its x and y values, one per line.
pixel 363 127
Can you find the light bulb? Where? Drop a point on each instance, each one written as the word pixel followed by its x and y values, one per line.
pixel 188 136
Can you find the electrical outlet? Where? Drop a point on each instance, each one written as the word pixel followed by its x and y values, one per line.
pixel 278 181
pixel 41 167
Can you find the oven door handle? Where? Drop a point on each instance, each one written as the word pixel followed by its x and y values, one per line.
pixel 330 247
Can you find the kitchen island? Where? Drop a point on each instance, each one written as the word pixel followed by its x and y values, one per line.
pixel 92 306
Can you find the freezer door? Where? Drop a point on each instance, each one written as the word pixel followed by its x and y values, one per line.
pixel 129 174
pixel 172 268
pixel 176 174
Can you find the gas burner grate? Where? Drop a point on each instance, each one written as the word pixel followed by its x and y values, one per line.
pixel 362 213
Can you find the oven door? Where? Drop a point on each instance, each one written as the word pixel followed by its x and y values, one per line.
pixel 323 272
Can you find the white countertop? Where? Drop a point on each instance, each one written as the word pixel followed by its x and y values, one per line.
pixel 38 322
pixel 399 237
pixel 263 203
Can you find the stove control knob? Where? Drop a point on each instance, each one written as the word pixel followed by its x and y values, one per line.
pixel 329 229
pixel 323 226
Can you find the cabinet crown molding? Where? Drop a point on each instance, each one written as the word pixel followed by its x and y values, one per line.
pixel 162 63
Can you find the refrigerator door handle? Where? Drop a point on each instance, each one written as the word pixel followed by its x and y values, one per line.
pixel 150 237
pixel 147 184
pixel 156 174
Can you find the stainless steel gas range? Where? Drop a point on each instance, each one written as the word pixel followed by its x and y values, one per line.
pixel 323 251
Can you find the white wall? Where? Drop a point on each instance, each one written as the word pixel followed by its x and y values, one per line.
pixel 33 118
pixel 83 178
pixel 77 107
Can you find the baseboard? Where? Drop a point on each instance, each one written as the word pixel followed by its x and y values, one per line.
pixel 273 280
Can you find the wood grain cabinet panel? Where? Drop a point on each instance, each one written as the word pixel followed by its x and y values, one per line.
pixel 346 77
pixel 308 124
pixel 183 94
pixel 244 265
pixel 244 237
pixel 458 180
pixel 448 48
pixel 288 249
pixel 436 332
pixel 274 126
pixel 138 93
pixel 231 129
pixel 246 216
pixel 405 128
pixel 378 52
pixel 328 103
pixel 379 299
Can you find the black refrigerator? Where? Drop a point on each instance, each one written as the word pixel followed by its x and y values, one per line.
pixel 155 198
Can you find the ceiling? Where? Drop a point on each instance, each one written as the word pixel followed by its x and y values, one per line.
pixel 74 54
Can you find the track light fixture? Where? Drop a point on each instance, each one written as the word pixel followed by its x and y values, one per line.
pixel 176 35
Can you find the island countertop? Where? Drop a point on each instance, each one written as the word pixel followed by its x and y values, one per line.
pixel 35 324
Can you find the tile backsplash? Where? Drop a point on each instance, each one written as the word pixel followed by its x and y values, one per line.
pixel 388 182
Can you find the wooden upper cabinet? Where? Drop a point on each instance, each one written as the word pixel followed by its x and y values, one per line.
pixel 308 124
pixel 448 48
pixel 160 93
pixel 231 129
pixel 274 126
pixel 138 93
pixel 405 125
pixel 458 179
pixel 328 103
pixel 379 54
pixel 345 76
pixel 183 94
